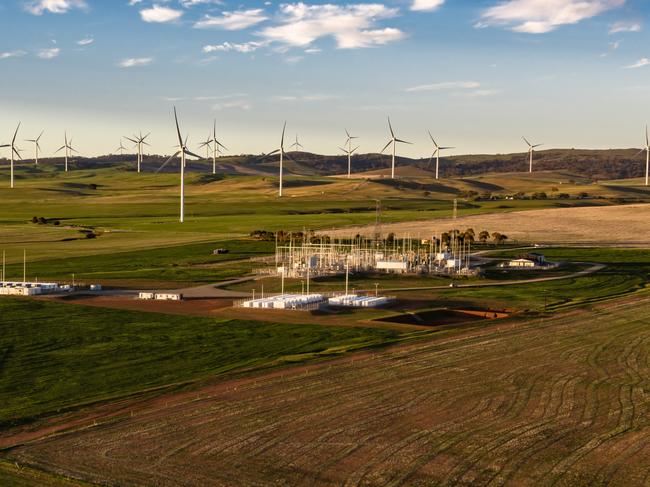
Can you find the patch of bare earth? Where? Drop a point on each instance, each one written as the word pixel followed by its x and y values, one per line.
pixel 560 401
pixel 623 225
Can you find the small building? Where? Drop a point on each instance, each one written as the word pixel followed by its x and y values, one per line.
pixel 145 295
pixel 95 287
pixel 356 301
pixel 392 266
pixel 168 297
pixel 522 263
pixel 220 251
pixel 287 301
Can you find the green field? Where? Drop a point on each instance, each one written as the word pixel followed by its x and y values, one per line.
pixel 55 356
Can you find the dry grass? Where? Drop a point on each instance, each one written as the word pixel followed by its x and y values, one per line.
pixel 555 402
pixel 625 225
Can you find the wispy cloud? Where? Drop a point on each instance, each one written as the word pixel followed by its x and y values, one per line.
pixel 624 26
pixel 39 7
pixel 541 16
pixel 235 104
pixel 10 54
pixel 160 14
pixel 304 98
pixel 135 62
pixel 49 53
pixel 85 42
pixel 192 3
pixel 445 86
pixel 639 64
pixel 352 26
pixel 426 5
pixel 237 20
pixel 228 46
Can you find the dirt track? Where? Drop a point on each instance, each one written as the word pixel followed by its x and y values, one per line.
pixel 556 402
pixel 624 225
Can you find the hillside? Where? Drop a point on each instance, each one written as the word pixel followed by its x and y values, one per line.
pixel 594 164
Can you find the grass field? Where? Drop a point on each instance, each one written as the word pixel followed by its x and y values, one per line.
pixel 55 356
pixel 558 401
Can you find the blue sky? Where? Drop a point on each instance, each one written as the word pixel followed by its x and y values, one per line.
pixel 479 74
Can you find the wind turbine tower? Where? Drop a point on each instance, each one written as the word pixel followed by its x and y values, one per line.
pixel 531 149
pixel 349 150
pixel 15 151
pixel 67 146
pixel 436 153
pixel 121 148
pixel 215 147
pixel 139 142
pixel 282 156
pixel 37 146
pixel 182 151
pixel 394 141
pixel 646 149
pixel 296 145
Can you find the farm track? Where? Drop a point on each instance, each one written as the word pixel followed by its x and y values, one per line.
pixel 559 401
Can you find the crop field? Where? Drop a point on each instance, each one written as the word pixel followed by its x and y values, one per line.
pixel 56 356
pixel 624 225
pixel 549 401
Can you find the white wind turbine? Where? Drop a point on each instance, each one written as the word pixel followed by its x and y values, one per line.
pixel 183 151
pixel 215 148
pixel 531 149
pixel 139 142
pixel 67 146
pixel 436 153
pixel 296 145
pixel 393 140
pixel 121 148
pixel 646 149
pixel 37 146
pixel 15 151
pixel 283 154
pixel 349 150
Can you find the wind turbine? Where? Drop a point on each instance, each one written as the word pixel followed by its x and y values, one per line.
pixel 67 145
pixel 436 153
pixel 215 149
pixel 531 149
pixel 37 146
pixel 139 141
pixel 349 150
pixel 183 151
pixel 296 144
pixel 646 149
pixel 121 148
pixel 282 153
pixel 393 140
pixel 15 151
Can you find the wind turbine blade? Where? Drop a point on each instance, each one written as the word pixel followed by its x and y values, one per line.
pixel 634 157
pixel 178 130
pixel 432 139
pixel 526 140
pixel 348 134
pixel 167 162
pixel 446 148
pixel 386 146
pixel 344 150
pixel 4 145
pixel 214 130
pixel 536 145
pixel 354 150
pixel 403 141
pixel 15 134
pixel 40 135
pixel 192 154
pixel 221 145
pixel 131 140
pixel 17 153
pixel 284 128
pixel 390 127
pixel 143 138
pixel 58 150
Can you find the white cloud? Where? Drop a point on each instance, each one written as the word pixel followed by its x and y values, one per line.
pixel 85 42
pixel 237 20
pixel 10 54
pixel 445 86
pixel 134 2
pixel 38 7
pixel 303 98
pixel 541 16
pixel 228 46
pixel 135 62
pixel 191 3
pixel 625 27
pixel 236 104
pixel 50 53
pixel 159 13
pixel 639 64
pixel 426 5
pixel 352 26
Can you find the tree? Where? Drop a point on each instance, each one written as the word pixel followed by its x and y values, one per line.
pixel 499 238
pixel 484 236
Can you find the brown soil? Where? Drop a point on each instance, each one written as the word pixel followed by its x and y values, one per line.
pixel 561 401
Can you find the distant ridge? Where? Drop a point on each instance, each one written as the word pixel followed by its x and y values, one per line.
pixel 595 164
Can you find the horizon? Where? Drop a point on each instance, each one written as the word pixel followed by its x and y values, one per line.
pixel 480 75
